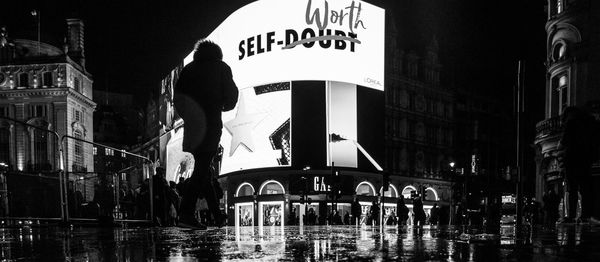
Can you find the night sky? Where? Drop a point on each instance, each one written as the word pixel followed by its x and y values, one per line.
pixel 131 45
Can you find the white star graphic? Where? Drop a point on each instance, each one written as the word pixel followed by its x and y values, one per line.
pixel 242 127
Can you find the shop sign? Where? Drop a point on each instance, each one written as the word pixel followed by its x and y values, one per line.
pixel 319 184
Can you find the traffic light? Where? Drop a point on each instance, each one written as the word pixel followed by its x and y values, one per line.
pixel 413 194
pixel 424 193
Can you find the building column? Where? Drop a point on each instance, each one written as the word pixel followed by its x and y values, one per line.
pixel 539 176
pixel 20 137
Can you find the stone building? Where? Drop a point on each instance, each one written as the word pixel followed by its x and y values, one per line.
pixel 48 87
pixel 572 79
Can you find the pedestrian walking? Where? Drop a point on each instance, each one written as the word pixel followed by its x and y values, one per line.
pixel 356 211
pixel 402 211
pixel 551 203
pixel 435 215
pixel 205 88
pixel 419 218
pixel 579 145
pixel 374 214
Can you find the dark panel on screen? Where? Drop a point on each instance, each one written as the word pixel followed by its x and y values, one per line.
pixel 308 124
pixel 370 122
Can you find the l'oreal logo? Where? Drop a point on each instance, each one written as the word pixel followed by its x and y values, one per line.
pixel 371 81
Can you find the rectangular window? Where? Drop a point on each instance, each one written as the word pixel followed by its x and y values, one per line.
pixel 77 84
pixel 559 95
pixel 24 80
pixel 4 111
pixel 48 80
pixel 4 145
pixel 559 6
pixel 37 110
pixel 77 115
pixel 109 152
pixel 123 155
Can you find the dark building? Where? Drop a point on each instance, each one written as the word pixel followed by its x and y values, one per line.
pixel 118 124
pixel 420 123
pixel 572 79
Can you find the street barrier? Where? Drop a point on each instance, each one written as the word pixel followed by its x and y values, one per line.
pixel 30 172
pixel 104 183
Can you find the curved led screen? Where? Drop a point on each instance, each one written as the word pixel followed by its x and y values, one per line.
pixel 271 41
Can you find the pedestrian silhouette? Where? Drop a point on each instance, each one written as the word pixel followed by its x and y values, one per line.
pixel 579 146
pixel 419 212
pixel 205 88
pixel 551 203
pixel 402 211
pixel 356 211
pixel 435 215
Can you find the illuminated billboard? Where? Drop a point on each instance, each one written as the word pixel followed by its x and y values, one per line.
pixel 304 70
pixel 257 133
pixel 271 41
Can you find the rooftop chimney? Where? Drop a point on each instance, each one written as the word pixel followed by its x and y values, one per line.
pixel 75 41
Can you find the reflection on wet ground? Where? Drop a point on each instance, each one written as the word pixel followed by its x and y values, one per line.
pixel 314 243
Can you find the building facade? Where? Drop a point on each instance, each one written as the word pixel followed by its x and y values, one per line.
pixel 48 87
pixel 48 92
pixel 572 79
pixel 420 125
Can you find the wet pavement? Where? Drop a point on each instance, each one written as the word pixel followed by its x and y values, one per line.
pixel 311 243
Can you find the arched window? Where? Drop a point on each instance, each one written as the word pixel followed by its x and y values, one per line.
pixel 40 149
pixel 365 189
pixel 392 192
pixel 48 80
pixel 24 80
pixel 78 156
pixel 559 51
pixel 431 194
pixel 407 190
pixel 272 187
pixel 245 189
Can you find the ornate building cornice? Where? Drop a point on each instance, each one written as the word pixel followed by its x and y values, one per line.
pixel 45 92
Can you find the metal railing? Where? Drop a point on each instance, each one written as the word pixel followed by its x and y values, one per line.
pixel 30 188
pixel 66 187
pixel 548 127
pixel 117 186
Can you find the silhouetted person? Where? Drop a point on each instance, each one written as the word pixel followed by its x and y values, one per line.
pixel 356 211
pixel 312 217
pixel 435 215
pixel 579 146
pixel 402 211
pixel 181 185
pixel 205 88
pixel 551 203
pixel 346 218
pixel 162 203
pixel 374 214
pixel 337 218
pixel 420 216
